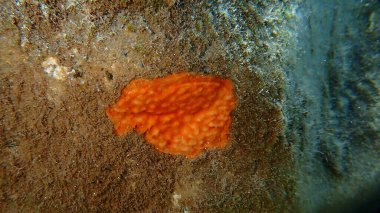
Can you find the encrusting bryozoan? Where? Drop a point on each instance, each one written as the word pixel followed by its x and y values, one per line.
pixel 181 113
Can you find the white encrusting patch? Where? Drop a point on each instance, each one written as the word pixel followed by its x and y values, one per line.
pixel 176 198
pixel 54 70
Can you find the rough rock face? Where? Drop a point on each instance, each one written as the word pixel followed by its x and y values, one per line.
pixel 332 105
pixel 63 62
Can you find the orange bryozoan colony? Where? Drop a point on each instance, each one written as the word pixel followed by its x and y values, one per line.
pixel 180 114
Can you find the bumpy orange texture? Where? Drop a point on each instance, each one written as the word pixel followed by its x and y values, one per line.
pixel 180 114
